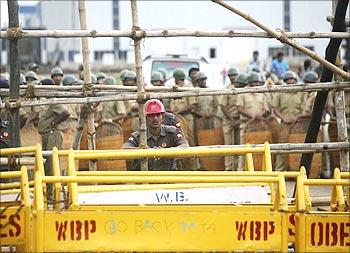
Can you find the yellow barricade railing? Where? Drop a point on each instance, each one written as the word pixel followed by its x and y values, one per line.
pixel 322 231
pixel 162 228
pixel 15 221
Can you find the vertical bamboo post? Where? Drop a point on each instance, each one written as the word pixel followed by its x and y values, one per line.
pixel 342 128
pixel 87 82
pixel 14 73
pixel 140 83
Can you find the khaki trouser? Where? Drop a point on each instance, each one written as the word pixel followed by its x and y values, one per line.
pixel 282 162
pixel 241 159
pixel 49 141
pixel 189 163
pixel 231 137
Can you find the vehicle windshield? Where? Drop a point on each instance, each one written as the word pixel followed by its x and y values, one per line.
pixel 171 65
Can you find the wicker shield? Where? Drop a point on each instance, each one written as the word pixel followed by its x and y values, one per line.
pixel 257 132
pixel 297 132
pixel 208 135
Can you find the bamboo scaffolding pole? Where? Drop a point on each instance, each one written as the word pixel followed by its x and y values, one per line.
pixel 140 83
pixel 87 86
pixel 105 90
pixel 54 97
pixel 109 88
pixel 283 38
pixel 275 148
pixel 170 33
pixel 15 140
pixel 342 128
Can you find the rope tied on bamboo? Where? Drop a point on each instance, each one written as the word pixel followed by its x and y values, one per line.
pixel 142 97
pixel 14 33
pixel 137 30
pixel 14 161
pixel 12 104
pixel 88 89
pixel 30 91
pixel 282 36
pixel 165 33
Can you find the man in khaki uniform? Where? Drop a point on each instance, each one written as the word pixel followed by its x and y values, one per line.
pixel 231 123
pixel 131 106
pixel 206 106
pixel 309 97
pixel 287 107
pixel 250 106
pixel 50 126
pixel 185 107
pixel 112 111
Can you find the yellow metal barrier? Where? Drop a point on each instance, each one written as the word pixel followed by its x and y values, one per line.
pixel 320 231
pixel 15 221
pixel 162 228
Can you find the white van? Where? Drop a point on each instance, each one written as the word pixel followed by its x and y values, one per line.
pixel 170 62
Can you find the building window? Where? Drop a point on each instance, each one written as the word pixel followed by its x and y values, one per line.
pixel 71 54
pixel 212 53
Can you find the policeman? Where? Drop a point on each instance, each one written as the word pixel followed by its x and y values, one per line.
pixel 57 75
pixel 31 77
pixel 35 68
pixel 192 73
pixel 111 111
pixel 50 126
pixel 309 97
pixel 122 76
pixel 131 106
pixel 69 80
pixel 232 74
pixel 73 109
pixel 184 106
pixel 230 126
pixel 164 74
pixel 287 107
pixel 206 106
pixel 250 106
pixel 157 79
pixel 93 78
pixel 158 136
pixel 100 76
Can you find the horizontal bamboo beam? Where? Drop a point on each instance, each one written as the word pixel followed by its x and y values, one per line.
pixel 276 148
pixel 19 161
pixel 167 34
pixel 55 97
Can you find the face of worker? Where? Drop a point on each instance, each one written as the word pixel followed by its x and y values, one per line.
pixel 154 120
pixel 57 79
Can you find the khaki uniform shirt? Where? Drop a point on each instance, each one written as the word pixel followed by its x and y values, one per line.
pixel 128 105
pixel 229 102
pixel 74 111
pixel 289 104
pixel 180 103
pixel 207 104
pixel 254 103
pixel 169 137
pixel 308 102
pixel 112 109
pixel 48 115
